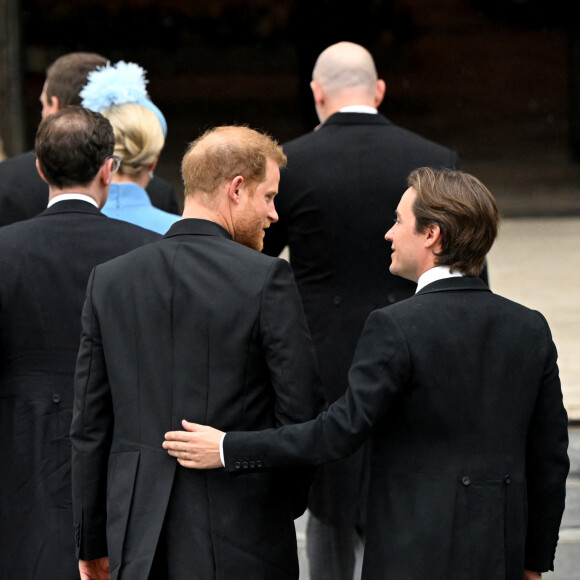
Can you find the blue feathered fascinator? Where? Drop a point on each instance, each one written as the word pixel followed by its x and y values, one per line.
pixel 118 84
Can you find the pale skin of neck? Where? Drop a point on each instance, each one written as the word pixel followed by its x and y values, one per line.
pixel 142 178
pixel 97 189
pixel 219 207
pixel 327 103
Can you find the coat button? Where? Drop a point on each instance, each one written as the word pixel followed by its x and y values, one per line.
pixel 507 479
pixel 259 463
pixel 237 465
pixel 252 464
pixel 245 465
pixel 56 398
pixel 337 300
pixel 465 480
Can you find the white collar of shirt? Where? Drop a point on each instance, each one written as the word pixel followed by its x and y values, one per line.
pixel 67 196
pixel 434 274
pixel 358 109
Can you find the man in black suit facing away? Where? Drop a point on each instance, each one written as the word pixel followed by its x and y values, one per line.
pixel 23 194
pixel 457 389
pixel 199 325
pixel 341 186
pixel 45 263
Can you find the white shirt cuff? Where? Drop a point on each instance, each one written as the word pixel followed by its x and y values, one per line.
pixel 222 450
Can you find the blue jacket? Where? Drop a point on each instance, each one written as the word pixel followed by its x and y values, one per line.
pixel 129 202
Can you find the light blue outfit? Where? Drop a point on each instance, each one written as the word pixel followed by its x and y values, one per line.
pixel 129 202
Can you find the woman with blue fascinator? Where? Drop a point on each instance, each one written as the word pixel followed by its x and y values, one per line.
pixel 119 93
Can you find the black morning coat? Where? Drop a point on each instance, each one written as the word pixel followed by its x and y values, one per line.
pixel 45 263
pixel 338 196
pixel 458 390
pixel 199 327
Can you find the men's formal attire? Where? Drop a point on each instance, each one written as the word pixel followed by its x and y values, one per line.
pixel 23 193
pixel 338 196
pixel 45 263
pixel 202 328
pixel 458 390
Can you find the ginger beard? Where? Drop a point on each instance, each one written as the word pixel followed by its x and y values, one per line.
pixel 255 209
pixel 249 227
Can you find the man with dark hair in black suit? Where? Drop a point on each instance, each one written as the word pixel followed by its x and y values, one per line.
pixel 340 188
pixel 45 262
pixel 23 193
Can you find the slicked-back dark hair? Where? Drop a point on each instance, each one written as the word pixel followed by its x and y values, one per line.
pixel 464 210
pixel 72 145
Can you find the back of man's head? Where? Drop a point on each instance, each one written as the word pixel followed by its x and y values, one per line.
pixel 345 66
pixel 67 75
pixel 72 145
pixel 223 153
pixel 465 211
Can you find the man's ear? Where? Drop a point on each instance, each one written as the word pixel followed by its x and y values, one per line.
pixel 40 171
pixel 106 172
pixel 317 93
pixel 51 108
pixel 380 91
pixel 234 189
pixel 433 237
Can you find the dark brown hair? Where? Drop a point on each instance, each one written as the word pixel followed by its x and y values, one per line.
pixel 67 75
pixel 465 212
pixel 72 144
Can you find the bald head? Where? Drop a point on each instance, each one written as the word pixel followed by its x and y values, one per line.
pixel 345 65
pixel 345 74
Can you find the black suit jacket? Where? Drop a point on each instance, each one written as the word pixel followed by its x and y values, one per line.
pixel 197 327
pixel 23 193
pixel 459 392
pixel 45 264
pixel 337 199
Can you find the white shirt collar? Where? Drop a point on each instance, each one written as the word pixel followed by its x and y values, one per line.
pixel 67 196
pixel 358 109
pixel 434 274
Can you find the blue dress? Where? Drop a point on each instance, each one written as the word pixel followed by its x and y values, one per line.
pixel 129 202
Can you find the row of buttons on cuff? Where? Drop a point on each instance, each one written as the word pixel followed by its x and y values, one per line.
pixel 248 464
pixel 466 480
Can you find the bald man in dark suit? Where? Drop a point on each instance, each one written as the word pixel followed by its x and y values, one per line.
pixel 339 190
